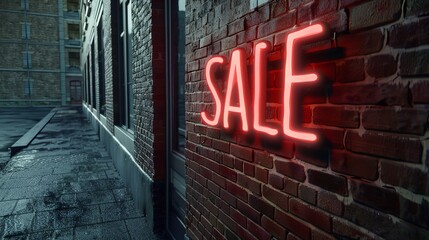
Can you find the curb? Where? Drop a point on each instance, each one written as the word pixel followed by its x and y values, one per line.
pixel 28 137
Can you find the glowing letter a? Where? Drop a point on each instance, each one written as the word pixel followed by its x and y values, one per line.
pixel 291 78
pixel 238 75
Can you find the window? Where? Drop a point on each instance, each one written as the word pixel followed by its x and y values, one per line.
pixel 101 77
pixel 93 99
pixel 74 60
pixel 72 5
pixel 25 4
pixel 257 3
pixel 73 31
pixel 126 96
pixel 28 87
pixel 26 60
pixel 25 30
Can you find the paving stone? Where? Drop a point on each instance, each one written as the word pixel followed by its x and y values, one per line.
pixel 17 224
pixel 118 211
pixel 24 206
pixel 40 235
pixel 97 197
pixel 138 229
pixel 110 230
pixel 6 207
pixel 63 234
pixel 121 194
pixel 43 221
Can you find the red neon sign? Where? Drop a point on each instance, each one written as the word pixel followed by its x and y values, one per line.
pixel 238 77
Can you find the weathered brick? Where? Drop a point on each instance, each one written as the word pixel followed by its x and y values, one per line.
pixel 353 164
pixel 248 211
pixel 342 228
pixel 381 66
pixel 242 152
pixel 410 121
pixel 258 231
pixel 310 214
pixel 236 26
pixel 261 174
pixel 321 8
pixel 334 137
pixel 276 181
pixel 249 183
pixel 409 34
pixel 417 7
pixel 263 159
pixel 384 199
pixel 414 63
pixel 398 174
pixel 277 24
pixel 419 92
pixel 236 190
pixel 295 3
pixel 350 71
pixel 307 194
pixel 290 169
pixel 257 17
pixel 385 145
pixel 328 181
pixel 336 116
pixel 373 94
pixel 292 224
pixel 336 21
pixel 330 203
pixel 290 187
pixel 318 156
pixel 374 13
pixel 361 43
pixel 261 205
pixel 276 197
pixel 347 3
pixel 274 228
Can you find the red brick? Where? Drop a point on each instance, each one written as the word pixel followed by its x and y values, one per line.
pixel 342 228
pixel 292 224
pixel 410 121
pixel 381 66
pixel 249 183
pixel 276 181
pixel 374 13
pixel 336 21
pixel 278 8
pixel 334 137
pixel 290 169
pixel 353 164
pixel 321 8
pixel 409 34
pixel 277 24
pixel 220 34
pixel 362 43
pixel 290 187
pixel 336 116
pixel 228 197
pixel 419 92
pixel 249 169
pixel 414 63
pixel 205 41
pixel 228 173
pixel 242 152
pixel 237 191
pixel 410 178
pixel 385 145
pixel 295 3
pixel 330 203
pixel 258 231
pixel 348 3
pixel 261 174
pixel 316 234
pixel 229 42
pixel 220 145
pixel 304 14
pixel 327 181
pixel 261 205
pixel 383 199
pixel 238 217
pixel 310 214
pixel 278 198
pixel 248 211
pixel 350 71
pixel 271 226
pixel 315 155
pixel 374 94
pixel 307 194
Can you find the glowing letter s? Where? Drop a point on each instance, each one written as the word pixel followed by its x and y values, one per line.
pixel 237 72
pixel 291 78
pixel 212 87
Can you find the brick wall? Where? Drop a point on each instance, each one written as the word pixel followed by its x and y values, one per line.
pixel 368 175
pixel 149 98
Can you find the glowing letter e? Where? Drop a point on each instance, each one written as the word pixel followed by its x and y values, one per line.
pixel 212 87
pixel 291 78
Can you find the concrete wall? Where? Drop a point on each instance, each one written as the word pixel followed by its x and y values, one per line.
pixel 367 175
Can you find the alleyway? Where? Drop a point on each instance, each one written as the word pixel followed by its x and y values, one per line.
pixel 64 186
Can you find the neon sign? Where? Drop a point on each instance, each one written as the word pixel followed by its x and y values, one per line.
pixel 237 78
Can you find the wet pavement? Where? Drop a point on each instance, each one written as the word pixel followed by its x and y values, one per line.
pixel 15 122
pixel 64 186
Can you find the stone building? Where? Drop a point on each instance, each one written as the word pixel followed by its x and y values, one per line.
pixel 223 126
pixel 40 53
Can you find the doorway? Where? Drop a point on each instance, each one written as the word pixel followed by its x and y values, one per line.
pixel 75 92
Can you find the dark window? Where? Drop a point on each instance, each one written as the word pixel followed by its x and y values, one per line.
pixel 88 81
pixel 101 77
pixel 94 99
pixel 73 31
pixel 26 60
pixel 26 32
pixel 126 96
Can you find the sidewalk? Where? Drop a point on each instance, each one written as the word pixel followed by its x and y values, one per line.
pixel 64 186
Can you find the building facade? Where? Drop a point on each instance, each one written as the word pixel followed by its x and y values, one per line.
pixel 265 119
pixel 40 47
